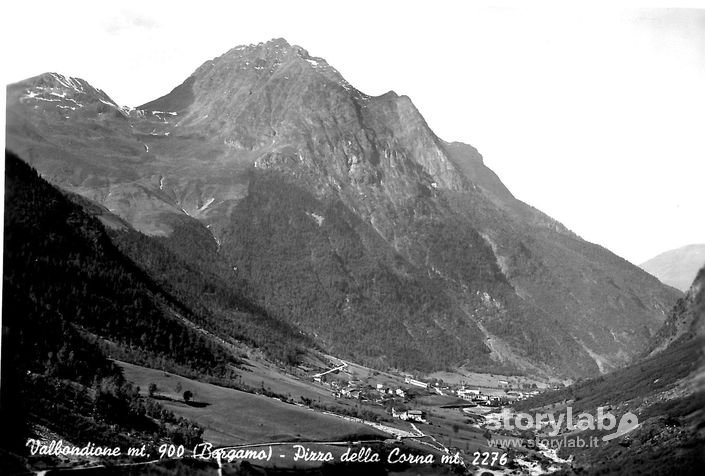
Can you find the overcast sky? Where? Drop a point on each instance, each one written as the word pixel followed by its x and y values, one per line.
pixel 594 115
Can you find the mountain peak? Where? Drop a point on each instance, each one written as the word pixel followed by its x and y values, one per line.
pixel 65 95
pixel 275 50
pixel 56 82
pixel 280 44
pixel 60 81
pixel 247 77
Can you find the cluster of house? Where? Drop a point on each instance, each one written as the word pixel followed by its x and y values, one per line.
pixel 522 395
pixel 386 395
pixel 410 415
pixel 476 396
pixel 354 390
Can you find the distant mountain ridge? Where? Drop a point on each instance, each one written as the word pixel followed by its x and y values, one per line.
pixel 345 215
pixel 677 267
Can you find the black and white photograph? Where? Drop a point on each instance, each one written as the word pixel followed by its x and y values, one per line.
pixel 288 237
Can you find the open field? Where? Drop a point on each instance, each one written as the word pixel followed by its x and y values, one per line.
pixel 373 376
pixel 485 381
pixel 231 416
pixel 261 374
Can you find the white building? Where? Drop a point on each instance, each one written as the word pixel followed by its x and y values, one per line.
pixel 468 394
pixel 415 382
pixel 410 415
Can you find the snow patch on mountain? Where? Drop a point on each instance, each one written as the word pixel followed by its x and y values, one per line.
pixel 207 204
pixel 316 217
pixel 107 103
pixel 68 82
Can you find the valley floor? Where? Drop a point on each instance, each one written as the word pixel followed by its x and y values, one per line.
pixel 236 418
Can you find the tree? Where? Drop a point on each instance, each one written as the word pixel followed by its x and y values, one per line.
pixel 188 395
pixel 152 389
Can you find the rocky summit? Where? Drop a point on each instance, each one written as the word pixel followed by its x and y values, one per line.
pixel 345 215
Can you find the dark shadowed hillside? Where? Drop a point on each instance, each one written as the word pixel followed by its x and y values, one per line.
pixel 67 292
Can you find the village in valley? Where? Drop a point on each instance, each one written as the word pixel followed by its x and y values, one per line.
pixel 409 399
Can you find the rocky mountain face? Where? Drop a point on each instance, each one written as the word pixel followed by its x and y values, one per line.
pixel 687 319
pixel 345 215
pixel 677 267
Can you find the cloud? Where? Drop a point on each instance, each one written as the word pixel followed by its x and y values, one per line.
pixel 126 21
